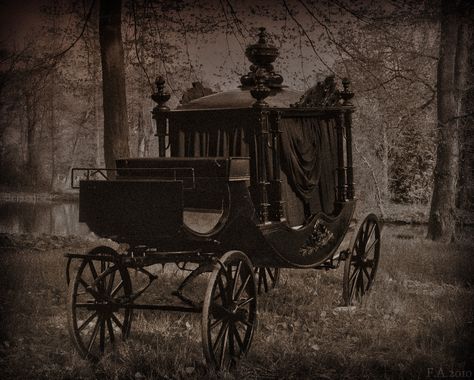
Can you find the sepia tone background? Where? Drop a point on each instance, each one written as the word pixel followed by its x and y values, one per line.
pixel 411 67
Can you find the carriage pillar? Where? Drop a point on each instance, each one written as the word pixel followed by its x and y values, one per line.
pixel 262 183
pixel 275 183
pixel 347 95
pixel 161 97
pixel 341 168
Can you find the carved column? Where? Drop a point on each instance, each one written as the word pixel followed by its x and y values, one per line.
pixel 341 172
pixel 277 202
pixel 347 95
pixel 262 140
pixel 160 97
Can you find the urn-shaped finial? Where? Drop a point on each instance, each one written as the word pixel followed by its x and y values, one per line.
pixel 346 94
pixel 261 79
pixel 160 96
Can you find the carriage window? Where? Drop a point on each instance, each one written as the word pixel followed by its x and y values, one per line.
pixel 205 206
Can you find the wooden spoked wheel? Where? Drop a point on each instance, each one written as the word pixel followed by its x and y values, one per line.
pixel 362 262
pixel 267 278
pixel 229 314
pixel 97 294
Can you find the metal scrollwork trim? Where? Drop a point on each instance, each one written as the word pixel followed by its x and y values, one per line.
pixel 320 237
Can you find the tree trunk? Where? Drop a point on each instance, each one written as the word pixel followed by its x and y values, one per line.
pixel 465 200
pixel 113 82
pixel 451 79
pixel 32 151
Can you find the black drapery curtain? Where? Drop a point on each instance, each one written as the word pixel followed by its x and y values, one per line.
pixel 308 157
pixel 216 142
pixel 309 160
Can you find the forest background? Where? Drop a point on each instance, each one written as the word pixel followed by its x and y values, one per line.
pixel 51 102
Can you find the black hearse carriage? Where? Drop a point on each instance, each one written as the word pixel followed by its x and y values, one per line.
pixel 245 182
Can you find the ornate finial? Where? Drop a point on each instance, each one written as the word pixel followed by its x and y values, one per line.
pixel 346 94
pixel 262 36
pixel 261 79
pixel 260 91
pixel 160 96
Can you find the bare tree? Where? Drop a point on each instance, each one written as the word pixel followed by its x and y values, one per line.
pixel 452 70
pixel 113 82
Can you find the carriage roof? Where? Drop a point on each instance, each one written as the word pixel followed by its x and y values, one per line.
pixel 242 98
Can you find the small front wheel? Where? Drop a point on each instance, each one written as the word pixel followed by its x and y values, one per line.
pixel 362 262
pixel 229 314
pixel 97 297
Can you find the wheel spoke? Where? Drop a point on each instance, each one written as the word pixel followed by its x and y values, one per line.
pixel 243 303
pixel 92 269
pixel 215 323
pixel 116 289
pixel 117 322
pixel 353 285
pixel 360 285
pixel 241 288
pixel 245 322
pixel 369 263
pixel 265 283
pixel 224 344
pixel 366 231
pixel 271 275
pixel 369 278
pixel 87 321
pixel 371 246
pixel 356 269
pixel 261 273
pixel 94 334
pixel 238 338
pixel 102 335
pixel 111 330
pixel 101 280
pixel 220 334
pixel 110 285
pixel 370 233
pixel 237 275
pixel 231 341
pixel 89 289
pixel 217 296
pixel 220 283
pixel 360 239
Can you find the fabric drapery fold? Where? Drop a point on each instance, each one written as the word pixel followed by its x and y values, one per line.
pixel 309 159
pixel 219 142
pixel 308 154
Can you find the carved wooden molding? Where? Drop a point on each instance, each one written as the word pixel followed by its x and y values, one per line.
pixel 323 94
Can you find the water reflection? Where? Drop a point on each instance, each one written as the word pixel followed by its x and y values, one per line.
pixel 41 218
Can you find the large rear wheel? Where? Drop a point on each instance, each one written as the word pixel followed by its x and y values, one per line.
pixel 229 313
pixel 362 261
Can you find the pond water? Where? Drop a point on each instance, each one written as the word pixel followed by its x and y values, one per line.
pixel 62 219
pixel 52 218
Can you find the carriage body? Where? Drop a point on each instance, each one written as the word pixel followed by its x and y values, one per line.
pixel 273 182
pixel 244 182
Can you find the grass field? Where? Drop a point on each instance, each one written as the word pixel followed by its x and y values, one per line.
pixel 417 322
